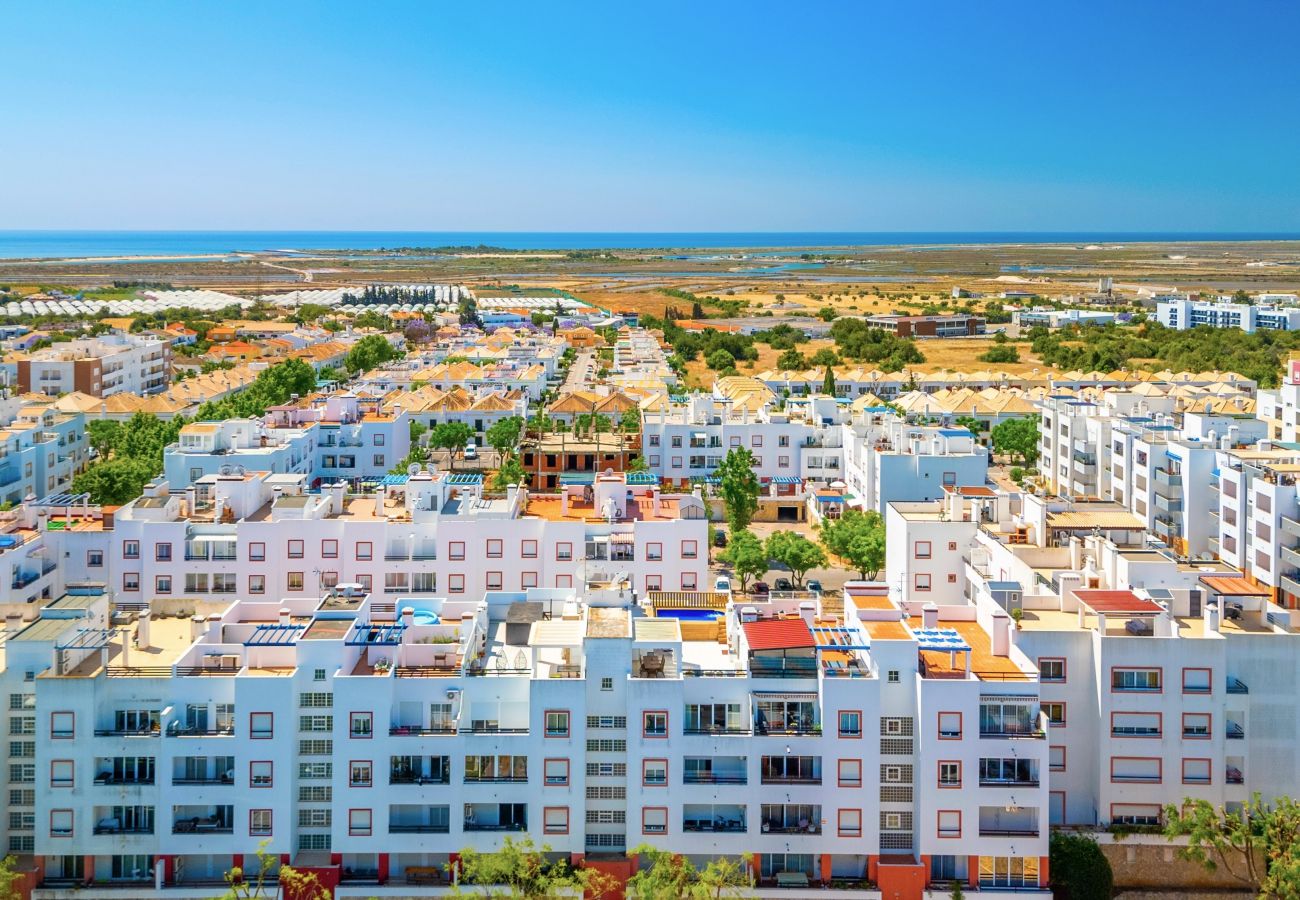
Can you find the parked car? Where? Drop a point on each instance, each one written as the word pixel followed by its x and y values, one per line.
pixel 814 585
pixel 722 584
pixel 471 451
pixel 760 587
pixel 719 538
pixel 783 584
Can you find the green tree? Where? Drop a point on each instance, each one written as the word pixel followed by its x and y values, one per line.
pixel 791 359
pixel 662 874
pixel 103 435
pixel 1002 353
pixel 417 431
pixel 1017 439
pixel 720 359
pixel 827 314
pixel 452 437
pixel 272 880
pixel 9 876
pixel 828 383
pixel 520 870
pixel 630 421
pixel 1078 868
pixel 825 357
pixel 747 557
pixel 372 350
pixel 738 485
pixel 511 472
pixel 1259 847
pixel 858 538
pixel 504 435
pixel 796 553
pixel 332 373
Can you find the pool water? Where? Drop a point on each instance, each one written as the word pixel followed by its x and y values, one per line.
pixel 425 617
pixel 689 615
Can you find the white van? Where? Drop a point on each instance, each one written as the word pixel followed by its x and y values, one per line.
pixel 471 451
pixel 722 585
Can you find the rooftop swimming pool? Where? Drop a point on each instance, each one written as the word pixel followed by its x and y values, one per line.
pixel 690 615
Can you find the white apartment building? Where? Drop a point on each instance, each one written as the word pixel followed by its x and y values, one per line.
pixel 687 441
pixel 101 367
pixel 1159 679
pixel 369 738
pixel 41 451
pixel 1184 312
pixel 1075 450
pixel 887 460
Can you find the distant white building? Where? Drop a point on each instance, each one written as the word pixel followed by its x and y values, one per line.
pixel 1183 313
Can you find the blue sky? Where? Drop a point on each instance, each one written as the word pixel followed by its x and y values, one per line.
pixel 672 116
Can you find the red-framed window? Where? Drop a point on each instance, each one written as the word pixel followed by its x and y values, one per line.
pixel 555 772
pixel 1056 757
pixel 921 581
pixel 130 549
pixel 848 773
pixel 1134 724
pixel 261 726
pixel 259 822
pixel 1198 770
pixel 495 548
pixel 63 725
pixel 654 551
pixel 690 549
pixel 162 552
pixel 494 581
pixel 361 773
pixel 555 820
pixel 1198 680
pixel 294 581
pixel 528 549
pixel 563 551
pixel 329 548
pixel 261 773
pixel 950 726
pixel 257 551
pixel 1198 726
pixel 557 723
pixel 257 584
pixel 654 773
pixel 361 822
pixel 654 820
pixel 1055 713
pixel 455 584
pixel 1137 769
pixel 1137 679
pixel 848 822
pixel 949 773
pixel 131 581
pixel 63 773
pixel 527 580
pixel 1052 669
pixel 456 550
pixel 850 723
pixel 921 550
pixel 948 823
pixel 654 723
pixel 365 551
pixel 295 549
pixel 361 725
pixel 61 823
pixel 162 584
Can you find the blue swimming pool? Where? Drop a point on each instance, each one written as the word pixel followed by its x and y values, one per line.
pixel 690 615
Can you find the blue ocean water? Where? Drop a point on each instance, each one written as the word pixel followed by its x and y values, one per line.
pixel 59 244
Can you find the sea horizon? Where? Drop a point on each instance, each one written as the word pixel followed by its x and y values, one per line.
pixel 81 244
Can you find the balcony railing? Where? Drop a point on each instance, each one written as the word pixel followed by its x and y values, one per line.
pixel 509 826
pixel 496 779
pixel 711 778
pixel 790 779
pixel 730 827
pixel 718 730
pixel 407 778
pixel 1237 686
pixel 1008 782
pixel 418 730
pixel 1236 732
pixel 217 780
pixel 1135 731
pixel 811 828
pixel 1009 832
pixel 191 828
pixel 120 829
pixel 423 829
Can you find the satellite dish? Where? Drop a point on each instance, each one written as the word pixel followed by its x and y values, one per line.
pixel 240 470
pixel 225 470
pixel 413 469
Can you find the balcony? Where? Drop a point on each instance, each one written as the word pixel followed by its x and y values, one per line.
pixel 1008 782
pixel 714 778
pixel 106 828
pixel 1290 581
pixel 1166 479
pixel 424 828
pixel 421 731
pixel 713 817
pixel 1235 731
pixel 997 821
pixel 1237 686
pixel 1289 525
pixel 1135 731
pixel 1233 775
pixel 1291 555
pixel 718 730
pixel 782 668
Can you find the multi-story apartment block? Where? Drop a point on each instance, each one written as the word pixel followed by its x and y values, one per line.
pixel 1159 679
pixel 687 441
pixel 1185 312
pixel 370 737
pixel 40 452
pixel 886 459
pixel 100 367
pixel 330 438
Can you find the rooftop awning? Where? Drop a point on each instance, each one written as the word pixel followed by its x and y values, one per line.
pixel 214 538
pixel 786 479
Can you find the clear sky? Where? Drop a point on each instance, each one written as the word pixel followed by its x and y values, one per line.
pixel 619 116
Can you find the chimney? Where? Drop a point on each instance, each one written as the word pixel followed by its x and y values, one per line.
pixel 284 615
pixel 13 622
pixel 1211 616
pixel 408 616
pixel 1001 633
pixel 142 628
pixel 191 499
pixel 1076 553
pixel 930 615
pixel 808 612
pixel 198 626
pixel 748 614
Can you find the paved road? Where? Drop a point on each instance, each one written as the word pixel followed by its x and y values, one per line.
pixel 582 374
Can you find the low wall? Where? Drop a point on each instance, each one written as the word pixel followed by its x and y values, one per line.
pixel 1148 866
